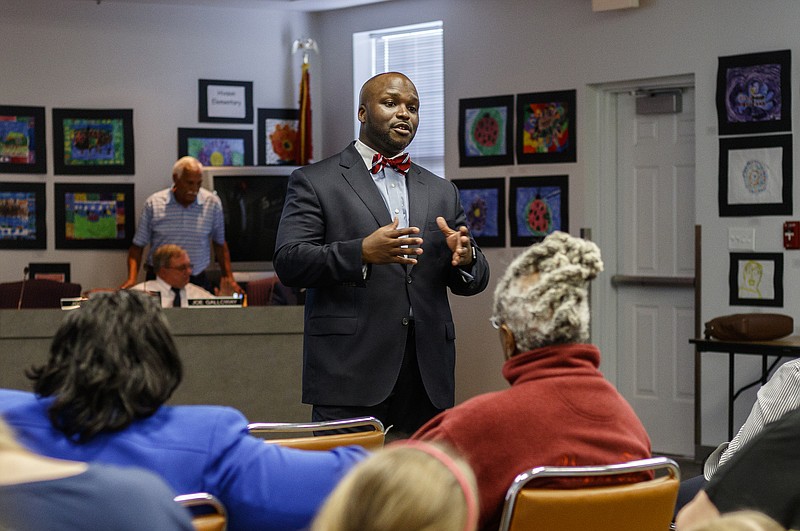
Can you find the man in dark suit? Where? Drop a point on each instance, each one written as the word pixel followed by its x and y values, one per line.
pixel 372 242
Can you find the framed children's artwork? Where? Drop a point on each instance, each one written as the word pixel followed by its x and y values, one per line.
pixel 217 147
pixel 546 129
pixel 484 203
pixel 537 207
pixel 277 136
pixel 756 279
pixel 225 101
pixel 22 216
pixel 22 140
pixel 58 271
pixel 755 176
pixel 94 216
pixel 93 142
pixel 754 94
pixel 485 131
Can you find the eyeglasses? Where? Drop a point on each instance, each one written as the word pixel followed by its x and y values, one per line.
pixel 184 267
pixel 496 322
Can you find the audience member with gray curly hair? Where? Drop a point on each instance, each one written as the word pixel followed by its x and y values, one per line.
pixel 543 295
pixel 559 410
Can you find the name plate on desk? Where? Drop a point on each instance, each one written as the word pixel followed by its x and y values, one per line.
pixel 216 302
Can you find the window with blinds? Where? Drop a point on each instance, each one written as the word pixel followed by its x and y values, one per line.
pixel 418 52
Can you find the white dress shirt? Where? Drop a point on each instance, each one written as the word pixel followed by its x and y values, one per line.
pixel 190 291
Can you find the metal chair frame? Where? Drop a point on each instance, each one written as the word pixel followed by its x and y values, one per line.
pixel 522 479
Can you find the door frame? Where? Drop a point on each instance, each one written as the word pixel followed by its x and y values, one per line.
pixel 601 201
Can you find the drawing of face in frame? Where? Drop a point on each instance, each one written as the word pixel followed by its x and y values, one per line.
pixel 756 279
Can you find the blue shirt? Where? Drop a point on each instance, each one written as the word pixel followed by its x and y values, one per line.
pixel 200 449
pixel 164 220
pixel 99 499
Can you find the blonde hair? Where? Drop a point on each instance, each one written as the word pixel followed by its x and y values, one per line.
pixel 7 440
pixel 746 520
pixel 553 309
pixel 408 486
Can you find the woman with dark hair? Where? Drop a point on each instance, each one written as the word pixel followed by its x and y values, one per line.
pixel 100 398
pixel 112 362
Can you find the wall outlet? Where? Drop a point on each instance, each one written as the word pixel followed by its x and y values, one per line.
pixel 741 239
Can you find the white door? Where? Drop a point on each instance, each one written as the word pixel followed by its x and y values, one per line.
pixel 655 268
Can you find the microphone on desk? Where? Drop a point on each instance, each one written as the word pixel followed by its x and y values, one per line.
pixel 22 288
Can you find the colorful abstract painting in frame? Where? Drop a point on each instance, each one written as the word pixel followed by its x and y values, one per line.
pixel 754 94
pixel 484 203
pixel 546 127
pixel 22 216
pixel 756 279
pixel 537 207
pixel 755 176
pixel 94 216
pixel 93 142
pixel 217 147
pixel 22 140
pixel 277 136
pixel 485 131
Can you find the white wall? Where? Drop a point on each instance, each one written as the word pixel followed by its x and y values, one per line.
pixel 518 46
pixel 63 53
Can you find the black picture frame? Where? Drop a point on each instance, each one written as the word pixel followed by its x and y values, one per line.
pixel 484 203
pixel 746 277
pixel 546 127
pixel 225 101
pixel 749 184
pixel 278 131
pixel 217 147
pixel 23 208
pixel 252 201
pixel 486 131
pixel 23 147
pixel 543 201
pixel 79 205
pixel 754 93
pixel 77 133
pixel 58 271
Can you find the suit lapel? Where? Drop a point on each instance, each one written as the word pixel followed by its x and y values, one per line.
pixel 360 180
pixel 417 198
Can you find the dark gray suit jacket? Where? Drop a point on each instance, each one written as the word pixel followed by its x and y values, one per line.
pixel 356 328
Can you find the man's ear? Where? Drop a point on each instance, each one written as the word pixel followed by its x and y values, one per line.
pixel 362 111
pixel 507 341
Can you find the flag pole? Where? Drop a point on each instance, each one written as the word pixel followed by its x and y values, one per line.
pixel 304 148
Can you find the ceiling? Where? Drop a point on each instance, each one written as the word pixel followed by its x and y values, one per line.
pixel 288 5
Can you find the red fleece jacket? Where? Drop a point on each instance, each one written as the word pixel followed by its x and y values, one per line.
pixel 560 410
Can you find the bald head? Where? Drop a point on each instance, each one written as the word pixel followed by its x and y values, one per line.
pixel 388 112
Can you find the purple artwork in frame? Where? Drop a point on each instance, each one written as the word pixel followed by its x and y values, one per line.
pixel 753 93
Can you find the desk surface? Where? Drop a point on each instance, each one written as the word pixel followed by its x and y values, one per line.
pixel 786 345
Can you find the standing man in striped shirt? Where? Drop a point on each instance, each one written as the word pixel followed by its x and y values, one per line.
pixel 185 215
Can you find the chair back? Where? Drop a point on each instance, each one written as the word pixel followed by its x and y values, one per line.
pixel 269 291
pixel 208 513
pixel 36 293
pixel 312 434
pixel 641 506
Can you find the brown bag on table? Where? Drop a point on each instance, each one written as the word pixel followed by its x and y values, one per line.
pixel 749 327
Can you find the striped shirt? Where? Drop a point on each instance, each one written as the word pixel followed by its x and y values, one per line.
pixel 164 221
pixel 779 395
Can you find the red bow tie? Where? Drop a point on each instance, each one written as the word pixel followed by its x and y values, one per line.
pixel 401 163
